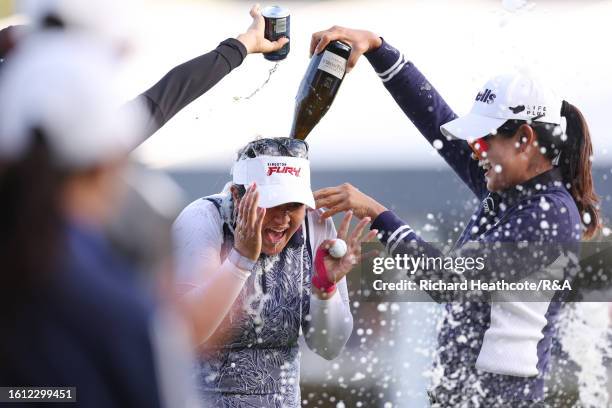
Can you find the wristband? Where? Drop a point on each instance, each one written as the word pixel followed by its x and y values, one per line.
pixel 319 278
pixel 240 261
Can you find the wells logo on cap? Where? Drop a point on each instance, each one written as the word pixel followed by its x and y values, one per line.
pixel 283 169
pixel 487 96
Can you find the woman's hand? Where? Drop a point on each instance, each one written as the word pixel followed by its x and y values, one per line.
pixel 247 233
pixel 347 197
pixel 361 41
pixel 339 268
pixel 253 39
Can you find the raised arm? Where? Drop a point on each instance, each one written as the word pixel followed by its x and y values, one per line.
pixel 208 286
pixel 414 94
pixel 190 80
pixel 187 82
pixel 331 323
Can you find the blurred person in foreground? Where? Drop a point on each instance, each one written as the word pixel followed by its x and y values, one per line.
pixel 71 312
pixel 524 152
pixel 255 272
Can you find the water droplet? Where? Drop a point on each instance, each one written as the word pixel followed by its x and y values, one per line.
pixel 358 376
pixel 259 88
pixel 586 218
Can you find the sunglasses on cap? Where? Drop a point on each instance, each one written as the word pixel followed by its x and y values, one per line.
pixel 480 147
pixel 281 146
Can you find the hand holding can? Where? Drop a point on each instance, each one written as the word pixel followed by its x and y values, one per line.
pixel 255 40
pixel 278 22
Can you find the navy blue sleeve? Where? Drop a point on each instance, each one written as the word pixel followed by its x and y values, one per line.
pixel 427 110
pixel 548 232
pixel 187 82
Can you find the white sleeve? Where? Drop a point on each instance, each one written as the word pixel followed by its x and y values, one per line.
pixel 198 237
pixel 331 322
pixel 174 359
pixel 209 287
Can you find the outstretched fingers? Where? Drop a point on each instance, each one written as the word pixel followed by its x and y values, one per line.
pixel 344 226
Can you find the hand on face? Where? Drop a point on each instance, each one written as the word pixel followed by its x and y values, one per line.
pixel 264 230
pixel 361 41
pixel 347 197
pixel 339 268
pixel 249 221
pixel 254 40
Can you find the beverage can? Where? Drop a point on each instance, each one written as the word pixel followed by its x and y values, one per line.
pixel 277 20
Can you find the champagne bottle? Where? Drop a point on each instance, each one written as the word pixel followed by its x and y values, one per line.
pixel 319 87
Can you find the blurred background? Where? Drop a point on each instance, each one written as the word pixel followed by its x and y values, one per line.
pixel 365 139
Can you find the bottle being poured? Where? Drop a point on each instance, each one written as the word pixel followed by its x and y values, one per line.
pixel 319 88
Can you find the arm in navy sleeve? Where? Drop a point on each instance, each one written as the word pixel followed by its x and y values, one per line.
pixel 507 261
pixel 427 110
pixel 187 82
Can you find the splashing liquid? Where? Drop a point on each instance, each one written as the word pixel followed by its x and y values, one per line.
pixel 260 87
pixel 584 332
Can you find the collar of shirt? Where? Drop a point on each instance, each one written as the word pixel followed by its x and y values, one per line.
pixel 497 203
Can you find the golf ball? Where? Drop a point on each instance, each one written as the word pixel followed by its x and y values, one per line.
pixel 338 248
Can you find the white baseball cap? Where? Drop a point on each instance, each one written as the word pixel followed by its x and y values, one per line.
pixel 65 87
pixel 280 179
pixel 503 98
pixel 109 20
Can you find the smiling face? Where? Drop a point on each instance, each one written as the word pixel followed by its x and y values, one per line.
pixel 279 225
pixel 506 161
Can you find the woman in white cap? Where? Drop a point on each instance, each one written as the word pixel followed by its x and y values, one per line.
pixel 534 179
pixel 253 266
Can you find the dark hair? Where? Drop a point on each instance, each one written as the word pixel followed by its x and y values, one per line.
pixel 7 40
pixel 572 152
pixel 275 146
pixel 30 221
pixel 53 21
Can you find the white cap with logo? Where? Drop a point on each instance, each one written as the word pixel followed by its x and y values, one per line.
pixel 503 98
pixel 280 179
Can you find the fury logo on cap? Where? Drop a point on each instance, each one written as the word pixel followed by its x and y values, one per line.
pixel 281 168
pixel 280 179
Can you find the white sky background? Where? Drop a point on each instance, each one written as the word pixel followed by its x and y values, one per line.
pixel 457 44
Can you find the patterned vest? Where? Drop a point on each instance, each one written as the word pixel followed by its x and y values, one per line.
pixel 255 350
